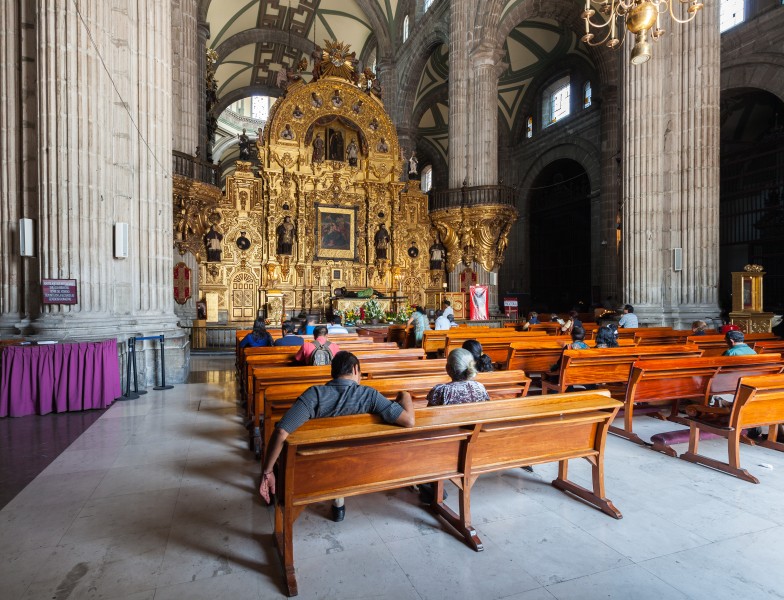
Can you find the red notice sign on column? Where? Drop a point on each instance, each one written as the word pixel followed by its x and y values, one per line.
pixel 59 291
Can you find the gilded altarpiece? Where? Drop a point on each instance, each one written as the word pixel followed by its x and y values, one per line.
pixel 326 210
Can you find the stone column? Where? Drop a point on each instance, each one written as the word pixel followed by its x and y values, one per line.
pixel 671 176
pixel 10 166
pixel 186 83
pixel 483 118
pixel 202 35
pixel 609 249
pixel 105 159
pixel 460 17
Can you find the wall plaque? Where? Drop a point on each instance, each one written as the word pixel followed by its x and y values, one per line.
pixel 59 291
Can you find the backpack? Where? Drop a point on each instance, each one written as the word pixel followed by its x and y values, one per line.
pixel 322 355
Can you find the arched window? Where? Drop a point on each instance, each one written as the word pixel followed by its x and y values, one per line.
pixel 529 127
pixel 405 29
pixel 426 181
pixel 587 94
pixel 731 13
pixel 428 4
pixel 555 102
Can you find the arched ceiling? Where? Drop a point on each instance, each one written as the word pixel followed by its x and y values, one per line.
pixel 255 34
pixel 434 128
pixel 532 49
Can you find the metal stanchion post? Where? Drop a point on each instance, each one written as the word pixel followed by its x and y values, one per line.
pixel 135 372
pixel 131 357
pixel 163 385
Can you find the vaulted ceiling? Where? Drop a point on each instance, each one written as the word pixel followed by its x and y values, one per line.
pixel 255 38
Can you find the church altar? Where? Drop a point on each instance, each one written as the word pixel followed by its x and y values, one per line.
pixel 345 304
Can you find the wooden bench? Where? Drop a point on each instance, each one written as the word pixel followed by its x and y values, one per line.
pixel 352 455
pixel 759 401
pixel 764 346
pixel 602 366
pixel 265 376
pixel 644 337
pixel 716 345
pixel 538 355
pixel 495 345
pixel 435 341
pixel 670 381
pixel 631 332
pixel 279 398
pixel 269 357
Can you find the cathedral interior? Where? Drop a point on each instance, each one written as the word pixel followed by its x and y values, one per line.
pixel 173 172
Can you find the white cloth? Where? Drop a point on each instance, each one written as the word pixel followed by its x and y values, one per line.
pixel 442 323
pixel 336 329
pixel 448 311
pixel 480 303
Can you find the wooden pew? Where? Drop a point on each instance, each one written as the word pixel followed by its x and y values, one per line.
pixel 263 377
pixel 759 401
pixel 765 346
pixel 495 345
pixel 279 398
pixel 435 341
pixel 631 332
pixel 600 366
pixel 352 455
pixel 669 381
pixel 715 345
pixel 645 337
pixel 538 355
pixel 284 355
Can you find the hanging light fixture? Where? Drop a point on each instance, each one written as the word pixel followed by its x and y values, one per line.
pixel 639 17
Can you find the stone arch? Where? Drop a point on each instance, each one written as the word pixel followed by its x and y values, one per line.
pixel 755 71
pixel 580 151
pixel 245 92
pixel 259 35
pixel 420 53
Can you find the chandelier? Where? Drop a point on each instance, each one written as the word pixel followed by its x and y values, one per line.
pixel 640 17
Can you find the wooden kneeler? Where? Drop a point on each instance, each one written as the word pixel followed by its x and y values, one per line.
pixel 759 401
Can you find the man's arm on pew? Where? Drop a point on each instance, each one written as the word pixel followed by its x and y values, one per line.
pixel 267 487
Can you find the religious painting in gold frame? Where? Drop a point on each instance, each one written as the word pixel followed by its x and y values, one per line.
pixel 336 232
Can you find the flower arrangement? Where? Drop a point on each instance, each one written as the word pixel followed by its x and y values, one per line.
pixel 349 316
pixel 373 310
pixel 404 313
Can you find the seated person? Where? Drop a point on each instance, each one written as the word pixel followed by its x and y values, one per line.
pixel 257 338
pixel 336 327
pixel 461 369
pixel 448 310
pixel 484 363
pixel 573 321
pixel 462 389
pixel 533 318
pixel 289 339
pixel 698 327
pixel 305 355
pixel 606 338
pixel 577 343
pixel 629 319
pixel 452 323
pixel 736 346
pixel 310 324
pixel 342 396
pixel 442 321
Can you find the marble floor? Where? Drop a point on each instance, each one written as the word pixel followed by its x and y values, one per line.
pixel 156 500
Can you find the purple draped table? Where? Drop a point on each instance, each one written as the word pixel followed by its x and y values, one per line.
pixel 58 378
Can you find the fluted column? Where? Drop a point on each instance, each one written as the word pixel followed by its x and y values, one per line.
pixel 460 17
pixel 609 249
pixel 185 75
pixel 483 124
pixel 10 167
pixel 671 176
pixel 202 33
pixel 105 157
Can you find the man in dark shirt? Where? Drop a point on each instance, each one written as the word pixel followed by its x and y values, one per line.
pixel 289 339
pixel 341 396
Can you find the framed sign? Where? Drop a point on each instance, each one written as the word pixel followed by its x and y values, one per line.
pixel 336 232
pixel 59 291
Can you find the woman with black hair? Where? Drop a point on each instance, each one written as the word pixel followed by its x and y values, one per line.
pixel 257 338
pixel 483 362
pixel 606 338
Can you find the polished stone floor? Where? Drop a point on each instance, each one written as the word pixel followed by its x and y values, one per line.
pixel 156 500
